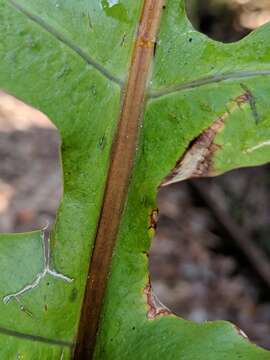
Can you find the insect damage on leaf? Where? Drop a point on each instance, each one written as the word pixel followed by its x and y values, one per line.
pixel 155 307
pixel 197 159
pixel 258 146
pixel 46 270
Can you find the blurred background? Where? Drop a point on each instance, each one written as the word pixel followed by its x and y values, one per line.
pixel 210 258
pixel 228 20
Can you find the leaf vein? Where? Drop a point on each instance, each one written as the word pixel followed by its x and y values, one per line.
pixel 206 81
pixel 59 36
pixel 17 334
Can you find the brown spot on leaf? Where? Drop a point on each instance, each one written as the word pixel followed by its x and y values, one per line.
pixel 252 102
pixel 153 219
pixel 197 159
pixel 155 307
pixel 146 253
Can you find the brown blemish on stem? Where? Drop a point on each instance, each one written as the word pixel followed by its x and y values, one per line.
pixel 155 307
pixel 197 159
pixel 122 159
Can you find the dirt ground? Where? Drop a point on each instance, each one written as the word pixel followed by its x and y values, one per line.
pixel 30 183
pixel 197 269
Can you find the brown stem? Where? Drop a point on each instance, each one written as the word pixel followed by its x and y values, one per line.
pixel 237 235
pixel 122 158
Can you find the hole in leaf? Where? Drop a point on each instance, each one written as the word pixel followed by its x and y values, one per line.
pixel 227 20
pixel 30 181
pixel 203 264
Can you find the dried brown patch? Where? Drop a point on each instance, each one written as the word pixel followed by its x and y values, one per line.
pixel 197 161
pixel 153 219
pixel 155 307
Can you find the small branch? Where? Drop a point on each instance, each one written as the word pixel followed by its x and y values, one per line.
pixel 237 235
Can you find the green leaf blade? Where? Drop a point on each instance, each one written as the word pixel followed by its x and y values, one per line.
pixel 70 60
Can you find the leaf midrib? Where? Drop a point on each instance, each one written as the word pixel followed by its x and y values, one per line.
pixel 122 159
